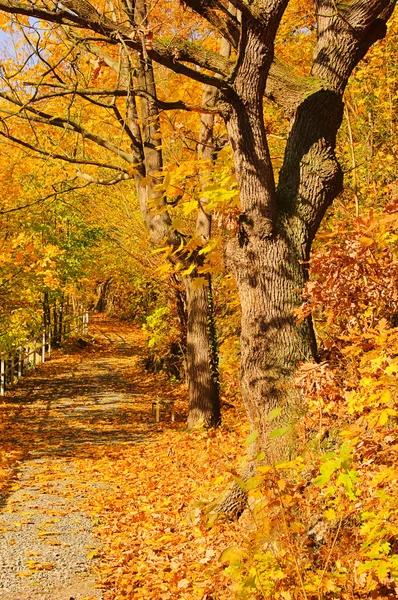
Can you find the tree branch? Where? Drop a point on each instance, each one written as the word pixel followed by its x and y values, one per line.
pixel 69 159
pixel 66 124
pixel 346 31
pixel 101 180
pixel 168 53
pixel 62 17
pixel 286 88
pixel 219 17
pixel 39 200
pixel 117 92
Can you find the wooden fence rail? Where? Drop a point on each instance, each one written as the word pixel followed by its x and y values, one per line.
pixel 15 363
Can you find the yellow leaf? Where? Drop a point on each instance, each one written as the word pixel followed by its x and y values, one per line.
pixel 365 241
pixel 166 249
pixel 389 412
pixel 199 282
pixel 330 514
pixel 190 269
pixel 189 207
pixel 264 469
pixel 166 180
pixel 232 554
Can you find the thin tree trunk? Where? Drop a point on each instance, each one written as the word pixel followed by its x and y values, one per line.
pixel 202 358
pixel 202 363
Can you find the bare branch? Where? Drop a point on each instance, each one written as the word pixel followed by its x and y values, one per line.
pixel 62 17
pixel 219 17
pixel 117 92
pixel 62 157
pixel 101 180
pixel 90 45
pixel 40 200
pixel 30 114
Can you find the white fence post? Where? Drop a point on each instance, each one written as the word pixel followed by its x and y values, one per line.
pixel 19 362
pixel 85 323
pixel 12 370
pixel 2 377
pixel 43 348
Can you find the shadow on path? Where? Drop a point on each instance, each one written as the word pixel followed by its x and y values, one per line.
pixel 82 404
pixel 81 401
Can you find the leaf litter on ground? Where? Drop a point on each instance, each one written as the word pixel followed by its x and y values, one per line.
pixel 143 484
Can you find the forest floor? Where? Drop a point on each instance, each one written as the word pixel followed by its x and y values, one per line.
pixel 98 501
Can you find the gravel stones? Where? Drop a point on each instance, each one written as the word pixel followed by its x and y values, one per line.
pixel 46 544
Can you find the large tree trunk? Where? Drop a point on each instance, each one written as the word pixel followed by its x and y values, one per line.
pixel 267 260
pixel 270 275
pixel 276 228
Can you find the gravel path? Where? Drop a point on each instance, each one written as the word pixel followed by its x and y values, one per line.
pixel 47 547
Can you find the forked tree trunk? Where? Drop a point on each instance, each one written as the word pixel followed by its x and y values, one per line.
pixel 276 227
pixel 270 259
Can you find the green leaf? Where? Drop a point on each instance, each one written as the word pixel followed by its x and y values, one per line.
pixel 275 433
pixel 274 413
pixel 327 470
pixel 253 483
pixel 346 481
pixel 251 438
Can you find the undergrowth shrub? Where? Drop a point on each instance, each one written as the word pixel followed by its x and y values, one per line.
pixel 164 342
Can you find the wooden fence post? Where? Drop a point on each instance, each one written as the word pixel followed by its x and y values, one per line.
pixel 34 353
pixel 55 322
pixel 61 323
